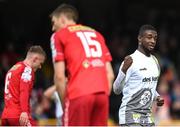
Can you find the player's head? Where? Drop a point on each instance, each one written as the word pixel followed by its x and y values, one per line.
pixel 36 56
pixel 63 15
pixel 147 37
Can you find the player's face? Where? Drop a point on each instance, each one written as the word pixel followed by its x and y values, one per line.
pixel 56 23
pixel 38 60
pixel 148 40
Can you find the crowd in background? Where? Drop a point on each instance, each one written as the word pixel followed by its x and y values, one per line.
pixel 121 40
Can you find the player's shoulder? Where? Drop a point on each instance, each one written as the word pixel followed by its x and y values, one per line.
pixel 24 67
pixel 137 55
pixel 60 34
pixel 155 58
pixel 133 55
pixel 18 66
pixel 56 36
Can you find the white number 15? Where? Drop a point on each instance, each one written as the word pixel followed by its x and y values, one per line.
pixel 87 39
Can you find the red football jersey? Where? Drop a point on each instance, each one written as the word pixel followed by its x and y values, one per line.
pixel 85 53
pixel 18 85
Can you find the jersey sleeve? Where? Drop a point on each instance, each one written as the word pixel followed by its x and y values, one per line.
pixel 56 48
pixel 122 79
pixel 25 86
pixel 105 49
pixel 118 84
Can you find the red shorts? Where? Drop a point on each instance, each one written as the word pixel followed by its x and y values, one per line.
pixel 15 122
pixel 88 110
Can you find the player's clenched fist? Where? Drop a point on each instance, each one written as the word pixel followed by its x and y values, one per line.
pixel 160 101
pixel 127 63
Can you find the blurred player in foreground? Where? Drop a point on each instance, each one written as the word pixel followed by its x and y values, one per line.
pixel 51 93
pixel 83 53
pixel 18 86
pixel 137 80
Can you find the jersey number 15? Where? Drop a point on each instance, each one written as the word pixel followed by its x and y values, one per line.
pixel 91 46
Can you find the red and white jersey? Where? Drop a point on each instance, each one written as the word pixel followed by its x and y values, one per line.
pixel 85 53
pixel 18 85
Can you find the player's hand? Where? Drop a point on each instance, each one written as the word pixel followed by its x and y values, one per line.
pixel 127 63
pixel 24 119
pixel 160 101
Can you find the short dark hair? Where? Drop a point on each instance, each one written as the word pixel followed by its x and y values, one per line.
pixel 143 28
pixel 66 9
pixel 37 49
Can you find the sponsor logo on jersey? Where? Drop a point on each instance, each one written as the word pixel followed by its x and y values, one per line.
pixel 143 69
pixel 145 98
pixel 94 63
pixel 86 64
pixel 136 117
pixel 150 79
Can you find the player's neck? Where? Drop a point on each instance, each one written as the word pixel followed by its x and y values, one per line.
pixel 27 62
pixel 70 22
pixel 144 51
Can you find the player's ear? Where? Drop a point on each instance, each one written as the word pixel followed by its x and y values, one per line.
pixel 139 38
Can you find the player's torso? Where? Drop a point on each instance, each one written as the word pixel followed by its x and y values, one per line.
pixel 140 89
pixel 82 43
pixel 84 58
pixel 12 90
pixel 145 74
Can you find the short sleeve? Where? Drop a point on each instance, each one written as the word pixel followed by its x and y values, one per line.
pixel 56 48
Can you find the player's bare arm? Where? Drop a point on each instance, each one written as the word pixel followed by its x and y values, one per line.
pixel 127 63
pixel 50 91
pixel 110 75
pixel 60 79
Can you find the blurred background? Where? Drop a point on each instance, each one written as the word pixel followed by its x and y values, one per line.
pixel 26 22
